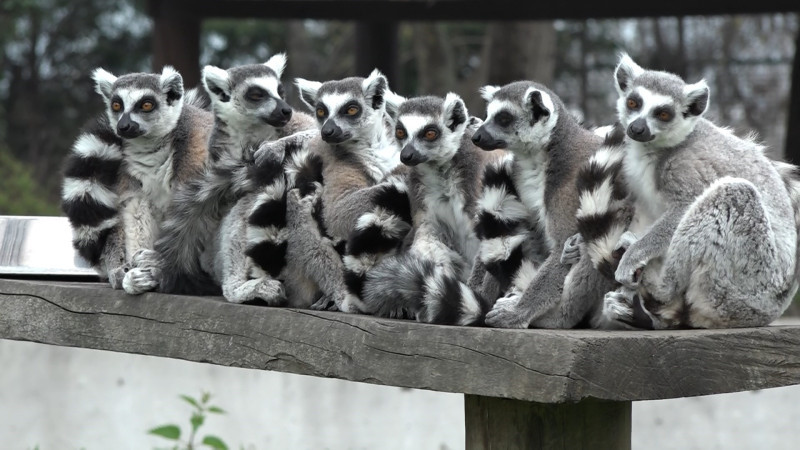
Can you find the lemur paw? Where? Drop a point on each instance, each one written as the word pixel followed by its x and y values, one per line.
pixel 140 280
pixel 326 303
pixel 145 259
pixel 571 253
pixel 618 305
pixel 115 276
pixel 265 289
pixel 506 313
pixel 623 244
pixel 299 210
pixel 351 304
pixel 269 153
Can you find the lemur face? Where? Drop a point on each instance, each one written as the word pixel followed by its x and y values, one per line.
pixel 517 115
pixel 429 129
pixel 348 110
pixel 657 109
pixel 250 97
pixel 140 105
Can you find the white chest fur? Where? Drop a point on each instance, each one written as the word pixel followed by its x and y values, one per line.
pixel 529 179
pixel 640 176
pixel 154 171
pixel 445 205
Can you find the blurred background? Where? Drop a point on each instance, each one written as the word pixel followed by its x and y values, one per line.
pixel 59 398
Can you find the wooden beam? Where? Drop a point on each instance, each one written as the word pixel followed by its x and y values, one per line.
pixel 421 10
pixel 376 47
pixel 545 366
pixel 176 42
pixel 497 423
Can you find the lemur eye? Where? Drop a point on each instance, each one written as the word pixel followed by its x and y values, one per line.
pixel 430 135
pixel 632 104
pixel 503 119
pixel 664 116
pixel 116 106
pixel 147 106
pixel 352 111
pixel 320 112
pixel 400 134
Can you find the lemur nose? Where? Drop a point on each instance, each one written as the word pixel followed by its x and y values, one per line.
pixel 327 131
pixel 286 111
pixel 476 138
pixel 637 128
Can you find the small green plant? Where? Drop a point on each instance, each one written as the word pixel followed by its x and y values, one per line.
pixel 201 409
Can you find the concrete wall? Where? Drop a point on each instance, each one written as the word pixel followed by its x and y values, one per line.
pixel 60 398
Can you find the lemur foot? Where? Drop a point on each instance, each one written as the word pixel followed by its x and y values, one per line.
pixel 265 289
pixel 631 261
pixel 140 280
pixel 506 313
pixel 145 259
pixel 618 305
pixel 116 276
pixel 571 253
pixel 325 303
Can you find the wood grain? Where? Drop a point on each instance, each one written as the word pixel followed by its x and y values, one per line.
pixel 545 366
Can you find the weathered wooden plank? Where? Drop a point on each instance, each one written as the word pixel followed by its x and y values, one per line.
pixel 546 366
pixel 499 423
pixel 421 10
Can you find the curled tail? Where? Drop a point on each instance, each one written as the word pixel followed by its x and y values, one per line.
pixel 196 212
pixel 197 97
pixel 790 174
pixel 604 212
pixel 406 286
pixel 377 234
pixel 89 195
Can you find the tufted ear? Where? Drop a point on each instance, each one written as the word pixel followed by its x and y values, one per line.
pixel 171 83
pixel 217 83
pixel 308 91
pixel 487 92
pixel 625 73
pixel 540 104
pixel 696 98
pixel 455 111
pixel 103 82
pixel 374 87
pixel 277 63
pixel 393 102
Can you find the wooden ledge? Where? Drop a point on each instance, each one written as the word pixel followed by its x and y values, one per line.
pixel 545 366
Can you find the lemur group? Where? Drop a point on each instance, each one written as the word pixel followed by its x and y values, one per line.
pixel 411 208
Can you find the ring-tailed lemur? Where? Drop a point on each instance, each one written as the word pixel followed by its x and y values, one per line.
pixel 357 150
pixel 122 172
pixel 198 252
pixel 427 279
pixel 532 201
pixel 713 240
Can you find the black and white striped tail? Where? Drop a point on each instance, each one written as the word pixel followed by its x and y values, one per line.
pixel 267 232
pixel 377 234
pixel 406 286
pixel 504 227
pixel 197 210
pixel 89 191
pixel 604 212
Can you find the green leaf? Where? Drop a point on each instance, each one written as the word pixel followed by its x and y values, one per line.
pixel 197 420
pixel 206 397
pixel 191 401
pixel 167 431
pixel 214 442
pixel 216 410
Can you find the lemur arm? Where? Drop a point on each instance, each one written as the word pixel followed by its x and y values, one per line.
pixel 483 282
pixel 653 244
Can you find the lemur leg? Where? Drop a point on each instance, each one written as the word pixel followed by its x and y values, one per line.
pixel 140 231
pixel 482 282
pixel 571 253
pixel 725 267
pixel 241 279
pixel 314 253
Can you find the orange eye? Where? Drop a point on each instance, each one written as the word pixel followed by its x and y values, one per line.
pixel 352 111
pixel 116 106
pixel 430 135
pixel 148 106
pixel 400 134
pixel 664 116
pixel 320 112
pixel 632 104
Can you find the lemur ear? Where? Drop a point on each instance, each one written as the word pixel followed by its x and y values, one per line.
pixel 277 63
pixel 103 82
pixel 487 92
pixel 393 102
pixel 455 111
pixel 696 98
pixel 540 104
pixel 374 87
pixel 217 83
pixel 171 84
pixel 625 72
pixel 308 91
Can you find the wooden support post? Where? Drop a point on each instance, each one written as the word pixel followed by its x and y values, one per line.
pixel 376 47
pixel 497 423
pixel 176 42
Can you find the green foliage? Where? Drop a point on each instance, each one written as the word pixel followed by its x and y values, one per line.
pixel 200 410
pixel 20 194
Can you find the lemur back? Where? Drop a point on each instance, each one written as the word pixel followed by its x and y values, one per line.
pixel 123 170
